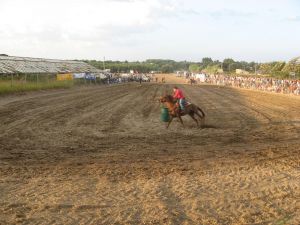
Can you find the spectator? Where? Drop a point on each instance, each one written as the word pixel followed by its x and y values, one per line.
pixel 258 83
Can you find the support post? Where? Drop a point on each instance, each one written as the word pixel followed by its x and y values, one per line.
pixel 12 80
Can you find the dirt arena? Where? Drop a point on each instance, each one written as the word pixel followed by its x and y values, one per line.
pixel 100 155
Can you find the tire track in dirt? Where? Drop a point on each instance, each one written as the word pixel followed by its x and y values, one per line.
pixel 268 115
pixel 52 110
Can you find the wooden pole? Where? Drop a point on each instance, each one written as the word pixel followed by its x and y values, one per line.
pixel 12 79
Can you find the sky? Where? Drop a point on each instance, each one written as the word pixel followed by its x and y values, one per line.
pixel 250 30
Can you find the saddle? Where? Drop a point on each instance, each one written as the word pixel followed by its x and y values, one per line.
pixel 186 104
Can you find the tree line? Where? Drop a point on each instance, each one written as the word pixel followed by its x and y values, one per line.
pixel 160 65
pixel 277 69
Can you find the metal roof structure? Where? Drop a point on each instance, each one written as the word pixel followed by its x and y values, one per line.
pixel 17 65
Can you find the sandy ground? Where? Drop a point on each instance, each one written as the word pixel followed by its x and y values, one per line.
pixel 101 156
pixel 169 79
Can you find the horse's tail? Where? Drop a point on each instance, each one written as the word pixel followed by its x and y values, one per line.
pixel 201 111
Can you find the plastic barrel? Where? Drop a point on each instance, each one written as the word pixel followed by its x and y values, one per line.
pixel 165 117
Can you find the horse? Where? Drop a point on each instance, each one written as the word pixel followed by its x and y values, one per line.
pixel 193 81
pixel 174 110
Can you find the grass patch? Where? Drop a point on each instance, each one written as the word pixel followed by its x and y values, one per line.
pixel 6 87
pixel 284 220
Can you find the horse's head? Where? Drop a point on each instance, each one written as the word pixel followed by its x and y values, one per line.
pixel 167 98
pixel 162 99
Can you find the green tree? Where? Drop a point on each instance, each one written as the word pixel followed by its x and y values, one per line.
pixel 206 62
pixel 278 66
pixel 212 69
pixel 233 66
pixel 167 68
pixel 194 68
pixel 226 64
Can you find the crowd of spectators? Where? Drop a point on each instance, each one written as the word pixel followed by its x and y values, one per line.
pixel 117 79
pixel 258 83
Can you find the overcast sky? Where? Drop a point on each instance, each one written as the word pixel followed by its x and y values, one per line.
pixel 251 30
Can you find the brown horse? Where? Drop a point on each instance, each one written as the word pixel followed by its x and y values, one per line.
pixel 174 110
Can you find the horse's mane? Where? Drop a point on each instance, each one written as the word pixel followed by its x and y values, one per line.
pixel 169 98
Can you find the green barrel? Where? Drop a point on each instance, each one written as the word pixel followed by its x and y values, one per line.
pixel 165 117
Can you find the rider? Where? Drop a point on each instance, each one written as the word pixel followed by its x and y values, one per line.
pixel 178 94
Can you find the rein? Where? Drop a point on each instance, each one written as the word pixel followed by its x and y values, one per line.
pixel 171 106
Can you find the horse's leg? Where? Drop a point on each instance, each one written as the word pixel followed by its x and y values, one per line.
pixel 198 114
pixel 179 116
pixel 169 122
pixel 202 117
pixel 203 114
pixel 193 117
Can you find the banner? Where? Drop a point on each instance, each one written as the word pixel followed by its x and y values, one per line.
pixel 79 75
pixel 90 76
pixel 65 76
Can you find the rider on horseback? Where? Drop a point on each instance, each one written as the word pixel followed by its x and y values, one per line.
pixel 178 94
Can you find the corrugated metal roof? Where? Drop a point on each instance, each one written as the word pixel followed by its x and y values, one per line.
pixel 11 64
